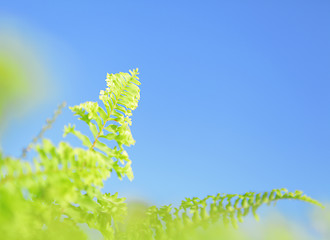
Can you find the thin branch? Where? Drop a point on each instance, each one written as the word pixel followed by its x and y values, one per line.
pixel 48 125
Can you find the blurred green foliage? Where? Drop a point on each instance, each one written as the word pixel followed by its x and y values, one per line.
pixel 22 77
pixel 52 196
pixel 12 82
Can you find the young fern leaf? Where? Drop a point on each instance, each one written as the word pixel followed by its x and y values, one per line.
pixel 120 98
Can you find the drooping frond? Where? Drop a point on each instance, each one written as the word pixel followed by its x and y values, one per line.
pixel 169 222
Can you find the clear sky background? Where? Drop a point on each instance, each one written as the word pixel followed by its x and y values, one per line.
pixel 234 95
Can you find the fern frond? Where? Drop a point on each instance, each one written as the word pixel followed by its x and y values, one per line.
pixel 68 181
pixel 65 180
pixel 168 222
pixel 120 98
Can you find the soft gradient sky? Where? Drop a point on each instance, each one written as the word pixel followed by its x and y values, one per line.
pixel 235 94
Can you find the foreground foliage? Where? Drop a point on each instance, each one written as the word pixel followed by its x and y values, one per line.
pixel 49 197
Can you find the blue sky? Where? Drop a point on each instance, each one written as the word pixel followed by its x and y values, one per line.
pixel 234 95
